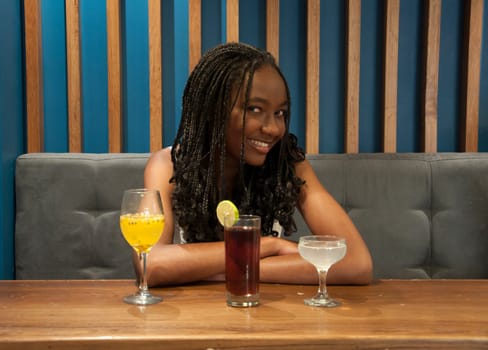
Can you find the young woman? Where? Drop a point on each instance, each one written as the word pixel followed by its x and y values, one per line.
pixel 233 143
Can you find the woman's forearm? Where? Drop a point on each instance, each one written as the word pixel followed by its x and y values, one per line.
pixel 292 268
pixel 172 264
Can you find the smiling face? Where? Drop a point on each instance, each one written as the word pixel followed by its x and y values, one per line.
pixel 266 114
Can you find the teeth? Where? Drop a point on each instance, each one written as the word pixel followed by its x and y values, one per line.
pixel 260 143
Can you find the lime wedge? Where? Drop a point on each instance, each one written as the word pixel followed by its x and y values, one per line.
pixel 226 208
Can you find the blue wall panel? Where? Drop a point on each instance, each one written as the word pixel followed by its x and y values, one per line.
pixel 11 125
pixel 409 75
pixel 332 74
pixel 181 41
pixel 450 75
pixel 136 76
pixel 212 33
pixel 252 22
pixel 168 53
pixel 370 76
pixel 293 60
pixel 94 78
pixel 55 80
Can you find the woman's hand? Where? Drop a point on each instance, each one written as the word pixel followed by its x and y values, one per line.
pixel 272 246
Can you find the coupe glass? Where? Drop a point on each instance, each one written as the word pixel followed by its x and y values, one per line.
pixel 141 223
pixel 322 252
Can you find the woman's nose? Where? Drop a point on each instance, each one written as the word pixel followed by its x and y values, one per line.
pixel 272 126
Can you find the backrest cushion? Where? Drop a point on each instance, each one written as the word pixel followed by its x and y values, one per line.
pixel 67 213
pixel 387 198
pixel 460 216
pixel 421 215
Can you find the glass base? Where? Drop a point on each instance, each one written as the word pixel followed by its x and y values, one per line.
pixel 249 300
pixel 322 301
pixel 142 299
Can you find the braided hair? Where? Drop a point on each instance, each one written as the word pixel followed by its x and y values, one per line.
pixel 198 152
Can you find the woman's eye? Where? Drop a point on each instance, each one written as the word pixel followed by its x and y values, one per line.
pixel 254 109
pixel 281 113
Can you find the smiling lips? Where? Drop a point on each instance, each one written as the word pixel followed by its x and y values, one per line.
pixel 261 146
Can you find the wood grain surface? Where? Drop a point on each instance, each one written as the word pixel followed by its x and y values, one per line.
pixel 422 314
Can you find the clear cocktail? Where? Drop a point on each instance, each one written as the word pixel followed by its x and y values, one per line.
pixel 322 252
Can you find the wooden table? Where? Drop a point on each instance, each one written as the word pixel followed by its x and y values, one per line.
pixel 421 314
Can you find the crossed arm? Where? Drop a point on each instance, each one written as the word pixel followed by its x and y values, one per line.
pixel 170 263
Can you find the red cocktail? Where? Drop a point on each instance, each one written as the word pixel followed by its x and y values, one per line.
pixel 242 261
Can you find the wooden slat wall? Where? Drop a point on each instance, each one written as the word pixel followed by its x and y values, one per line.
pixel 353 63
pixel 431 74
pixel 312 112
pixel 74 74
pixel 273 28
pixel 33 71
pixel 155 77
pixel 195 30
pixel 470 88
pixel 472 70
pixel 390 78
pixel 114 77
pixel 232 20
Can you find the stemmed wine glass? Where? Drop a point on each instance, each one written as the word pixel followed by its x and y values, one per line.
pixel 142 223
pixel 322 251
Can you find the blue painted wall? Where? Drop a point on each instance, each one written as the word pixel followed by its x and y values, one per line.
pixel 292 61
pixel 11 125
pixel 175 71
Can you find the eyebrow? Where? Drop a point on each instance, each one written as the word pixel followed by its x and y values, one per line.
pixel 263 100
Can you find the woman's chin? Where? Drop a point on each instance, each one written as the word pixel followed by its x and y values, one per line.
pixel 256 161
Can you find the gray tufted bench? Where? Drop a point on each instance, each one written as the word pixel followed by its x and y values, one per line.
pixel 422 215
pixel 67 215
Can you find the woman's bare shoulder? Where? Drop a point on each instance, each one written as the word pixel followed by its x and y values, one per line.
pixel 159 166
pixel 162 156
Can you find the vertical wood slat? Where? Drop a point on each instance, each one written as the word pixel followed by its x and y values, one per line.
pixel 74 74
pixel 114 77
pixel 353 47
pixel 431 75
pixel 273 28
pixel 472 70
pixel 155 76
pixel 390 84
pixel 232 16
pixel 195 30
pixel 33 76
pixel 312 77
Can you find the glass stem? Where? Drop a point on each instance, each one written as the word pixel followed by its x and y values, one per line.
pixel 142 278
pixel 322 282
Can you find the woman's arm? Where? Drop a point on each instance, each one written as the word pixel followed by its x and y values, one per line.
pixel 183 263
pixel 324 215
pixel 170 263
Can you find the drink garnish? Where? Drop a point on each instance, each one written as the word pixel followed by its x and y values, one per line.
pixel 226 208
